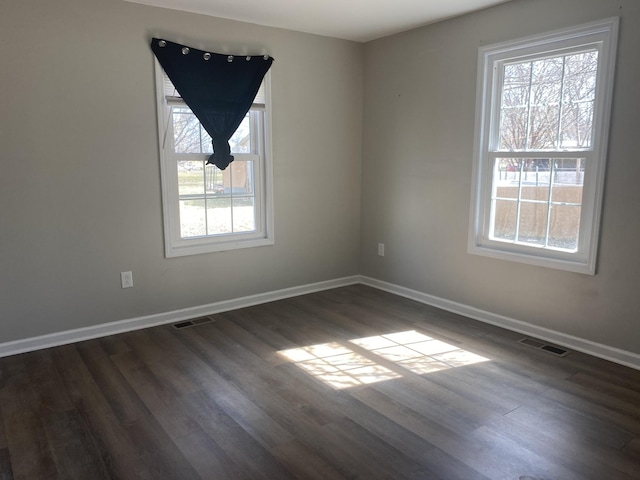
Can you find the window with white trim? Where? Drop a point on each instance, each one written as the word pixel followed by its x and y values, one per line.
pixel 542 121
pixel 206 209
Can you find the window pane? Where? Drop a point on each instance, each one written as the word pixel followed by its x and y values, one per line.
pixel 564 224
pixel 580 76
pixel 219 216
pixel 214 180
pixel 241 140
pixel 578 97
pixel 532 223
pixel 506 177
pixel 546 86
pixel 191 177
pixel 547 102
pixel 577 125
pixel 190 137
pixel 186 131
pixel 543 127
pixel 533 192
pixel 205 143
pixel 238 177
pixel 244 217
pixel 192 218
pixel 504 220
pixel 514 106
pixel 568 180
pixel 516 85
pixel 535 180
pixel 507 191
pixel 513 128
pixel 546 81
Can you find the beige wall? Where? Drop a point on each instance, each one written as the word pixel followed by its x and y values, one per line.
pixel 80 187
pixel 419 109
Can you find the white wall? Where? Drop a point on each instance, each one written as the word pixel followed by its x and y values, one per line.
pixel 79 186
pixel 418 147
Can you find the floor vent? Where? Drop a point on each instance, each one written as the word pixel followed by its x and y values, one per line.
pixel 554 349
pixel 192 323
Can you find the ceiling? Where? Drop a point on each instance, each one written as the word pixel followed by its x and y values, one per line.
pixel 358 20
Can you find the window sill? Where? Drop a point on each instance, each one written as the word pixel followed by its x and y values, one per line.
pixel 199 246
pixel 576 265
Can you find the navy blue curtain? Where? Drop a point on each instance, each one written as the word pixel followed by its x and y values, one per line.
pixel 219 89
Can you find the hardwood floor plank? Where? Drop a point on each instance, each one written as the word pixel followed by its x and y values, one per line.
pixel 554 415
pixel 294 413
pixel 444 407
pixel 228 324
pixel 431 431
pixel 305 463
pixel 315 396
pixel 161 361
pixel 566 448
pixel 120 449
pixel 25 435
pixel 245 451
pixel 28 446
pixel 375 457
pixel 251 418
pixel 44 380
pixel 115 389
pixel 73 449
pixel 158 398
pixel 209 460
pixel 302 388
pixel 633 447
pixel 488 385
pixel 603 391
pixel 500 458
pixel 588 405
pixel 6 472
pixel 152 441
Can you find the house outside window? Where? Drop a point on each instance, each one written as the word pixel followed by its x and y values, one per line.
pixel 206 209
pixel 542 121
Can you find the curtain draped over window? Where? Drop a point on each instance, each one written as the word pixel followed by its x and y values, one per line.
pixel 219 89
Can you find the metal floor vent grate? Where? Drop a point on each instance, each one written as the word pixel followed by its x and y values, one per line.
pixel 192 323
pixel 554 349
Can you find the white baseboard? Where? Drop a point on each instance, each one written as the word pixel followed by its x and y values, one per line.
pixel 599 350
pixel 613 354
pixel 111 328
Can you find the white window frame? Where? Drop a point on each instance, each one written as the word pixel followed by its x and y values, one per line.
pixel 601 35
pixel 175 245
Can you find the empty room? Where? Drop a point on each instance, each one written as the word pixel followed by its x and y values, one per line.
pixel 435 277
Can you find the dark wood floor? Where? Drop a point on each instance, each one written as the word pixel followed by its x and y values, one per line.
pixel 351 383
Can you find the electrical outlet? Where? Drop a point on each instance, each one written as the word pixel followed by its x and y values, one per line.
pixel 381 249
pixel 126 278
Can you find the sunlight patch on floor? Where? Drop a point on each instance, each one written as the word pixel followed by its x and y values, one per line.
pixel 417 352
pixel 341 367
pixel 338 365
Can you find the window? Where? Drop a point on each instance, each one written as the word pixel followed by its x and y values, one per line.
pixel 540 148
pixel 206 209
